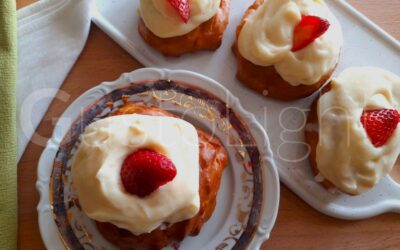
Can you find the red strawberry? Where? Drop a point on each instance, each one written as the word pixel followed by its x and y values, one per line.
pixel 144 171
pixel 182 8
pixel 380 124
pixel 307 30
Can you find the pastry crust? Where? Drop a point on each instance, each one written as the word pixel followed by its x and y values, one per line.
pixel 213 160
pixel 266 80
pixel 208 36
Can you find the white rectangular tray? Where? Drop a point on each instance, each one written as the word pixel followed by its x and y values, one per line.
pixel 365 44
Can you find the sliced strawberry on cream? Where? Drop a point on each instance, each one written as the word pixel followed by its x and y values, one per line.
pixel 172 18
pixel 380 125
pixel 308 30
pixel 138 171
pixel 275 33
pixel 359 135
pixel 182 8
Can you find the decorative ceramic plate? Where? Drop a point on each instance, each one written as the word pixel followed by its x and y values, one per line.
pixel 248 198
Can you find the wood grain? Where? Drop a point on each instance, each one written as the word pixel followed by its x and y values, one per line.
pixel 298 226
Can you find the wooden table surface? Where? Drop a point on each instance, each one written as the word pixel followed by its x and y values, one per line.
pixel 298 225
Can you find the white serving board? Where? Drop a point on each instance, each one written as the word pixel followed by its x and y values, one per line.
pixel 365 44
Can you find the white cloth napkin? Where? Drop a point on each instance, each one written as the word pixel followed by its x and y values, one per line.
pixel 51 36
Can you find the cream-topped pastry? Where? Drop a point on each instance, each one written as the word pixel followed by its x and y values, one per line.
pixel 160 17
pixel 266 39
pixel 346 155
pixel 97 167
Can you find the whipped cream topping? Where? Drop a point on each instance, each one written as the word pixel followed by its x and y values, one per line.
pixel 266 40
pixel 98 161
pixel 345 154
pixel 161 19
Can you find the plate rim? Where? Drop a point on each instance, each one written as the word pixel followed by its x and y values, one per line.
pixel 269 212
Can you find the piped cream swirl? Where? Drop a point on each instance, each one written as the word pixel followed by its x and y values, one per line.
pixel 98 161
pixel 345 154
pixel 267 36
pixel 161 19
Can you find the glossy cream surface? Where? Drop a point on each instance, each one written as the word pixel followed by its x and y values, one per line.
pixel 267 36
pixel 345 154
pixel 161 19
pixel 98 161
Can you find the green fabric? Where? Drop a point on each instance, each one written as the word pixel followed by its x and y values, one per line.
pixel 8 145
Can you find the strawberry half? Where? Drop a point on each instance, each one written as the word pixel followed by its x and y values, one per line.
pixel 380 124
pixel 182 8
pixel 308 30
pixel 144 171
